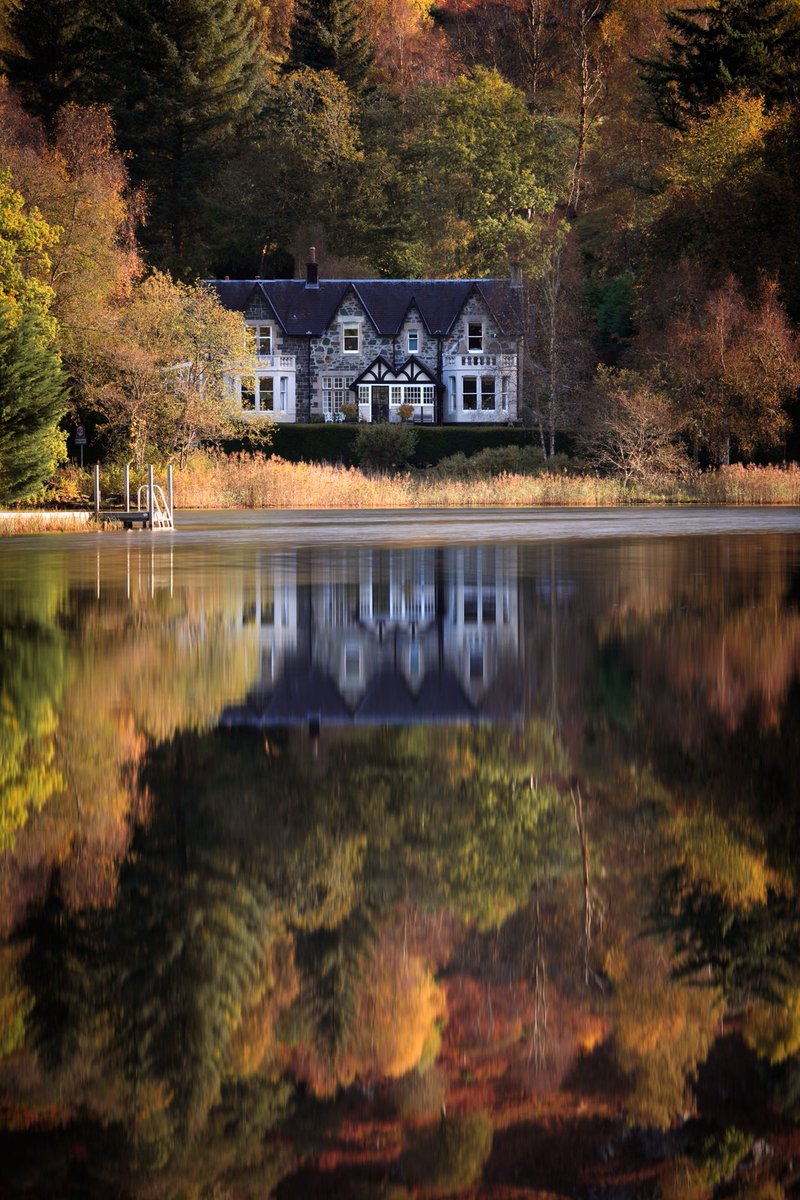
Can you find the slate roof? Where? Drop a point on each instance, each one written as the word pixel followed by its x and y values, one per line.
pixel 306 694
pixel 302 310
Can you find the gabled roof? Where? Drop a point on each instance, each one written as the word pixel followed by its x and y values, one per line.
pixel 382 371
pixel 303 310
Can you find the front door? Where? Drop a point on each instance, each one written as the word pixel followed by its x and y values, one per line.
pixel 380 402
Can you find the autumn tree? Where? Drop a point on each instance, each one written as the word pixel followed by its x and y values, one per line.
pixel 79 182
pixel 166 375
pixel 733 365
pixel 632 428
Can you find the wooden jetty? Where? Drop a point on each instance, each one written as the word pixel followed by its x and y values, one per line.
pixel 153 509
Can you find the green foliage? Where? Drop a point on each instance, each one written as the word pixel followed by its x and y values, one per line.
pixel 718 1155
pixel 469 209
pixel 32 402
pixel 30 691
pixel 613 302
pixel 46 62
pixel 732 46
pixel 385 446
pixel 500 460
pixel 325 37
pixel 450 1156
pixel 181 81
pixel 26 240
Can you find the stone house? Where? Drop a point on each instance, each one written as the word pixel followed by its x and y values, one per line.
pixel 449 349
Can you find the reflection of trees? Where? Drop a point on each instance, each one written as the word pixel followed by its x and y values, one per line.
pixel 31 683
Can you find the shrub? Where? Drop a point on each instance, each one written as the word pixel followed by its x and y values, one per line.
pixel 450 1156
pixel 385 446
pixel 419 1094
pixel 405 412
pixel 350 411
pixel 493 461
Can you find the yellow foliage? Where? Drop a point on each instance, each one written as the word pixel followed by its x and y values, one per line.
pixel 773 1031
pixel 662 1031
pixel 274 991
pixel 713 852
pixel 398 1012
pixel 15 1003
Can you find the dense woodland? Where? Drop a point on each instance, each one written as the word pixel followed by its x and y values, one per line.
pixel 641 160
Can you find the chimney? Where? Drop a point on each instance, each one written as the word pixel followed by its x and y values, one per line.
pixel 312 270
pixel 516 272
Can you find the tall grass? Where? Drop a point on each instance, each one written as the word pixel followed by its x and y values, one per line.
pixel 256 481
pixel 16 524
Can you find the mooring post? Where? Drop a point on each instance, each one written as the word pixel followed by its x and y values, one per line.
pixel 127 487
pixel 96 489
pixel 169 494
pixel 150 496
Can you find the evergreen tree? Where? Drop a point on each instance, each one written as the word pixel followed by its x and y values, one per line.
pixel 324 36
pixel 32 394
pixel 50 60
pixel 182 80
pixel 748 46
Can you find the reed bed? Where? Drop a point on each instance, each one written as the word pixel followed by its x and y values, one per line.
pixel 17 524
pixel 258 481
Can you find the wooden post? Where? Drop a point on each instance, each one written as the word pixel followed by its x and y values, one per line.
pixel 127 487
pixel 169 494
pixel 150 496
pixel 96 488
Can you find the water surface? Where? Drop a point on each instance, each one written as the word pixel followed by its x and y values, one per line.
pixel 401 854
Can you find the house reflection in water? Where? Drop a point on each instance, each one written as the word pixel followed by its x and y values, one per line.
pixel 384 637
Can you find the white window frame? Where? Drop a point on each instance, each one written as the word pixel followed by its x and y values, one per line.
pixel 465 379
pixel 505 388
pixel 473 337
pixel 261 405
pixel 284 393
pixel 348 328
pixel 484 379
pixel 413 349
pixel 262 332
pixel 335 393
pixel 244 386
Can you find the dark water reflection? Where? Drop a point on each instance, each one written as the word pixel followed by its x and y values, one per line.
pixel 463 869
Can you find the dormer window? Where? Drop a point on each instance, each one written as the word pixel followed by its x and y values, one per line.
pixel 475 337
pixel 351 339
pixel 413 341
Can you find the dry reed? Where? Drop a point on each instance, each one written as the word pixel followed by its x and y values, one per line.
pixel 256 481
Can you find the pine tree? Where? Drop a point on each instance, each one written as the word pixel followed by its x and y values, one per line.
pixel 47 67
pixel 182 80
pixel 750 46
pixel 32 395
pixel 325 37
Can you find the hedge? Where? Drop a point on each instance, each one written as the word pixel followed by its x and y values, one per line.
pixel 336 443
